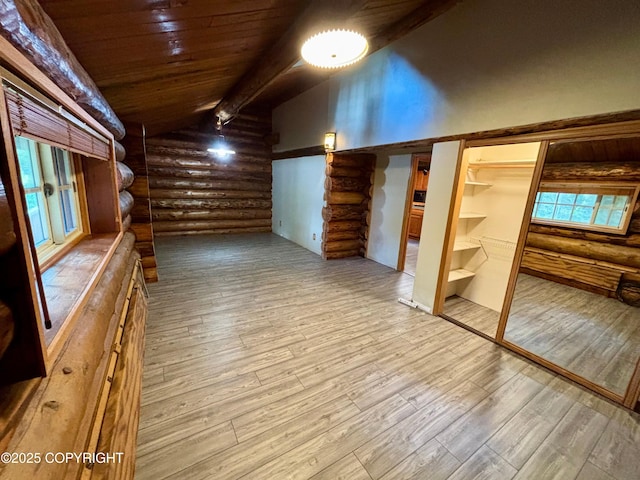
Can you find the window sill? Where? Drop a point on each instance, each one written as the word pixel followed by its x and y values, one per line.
pixel 53 253
pixel 68 283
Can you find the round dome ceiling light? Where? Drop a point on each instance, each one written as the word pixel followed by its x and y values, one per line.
pixel 334 48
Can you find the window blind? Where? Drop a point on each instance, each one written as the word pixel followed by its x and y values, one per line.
pixel 30 118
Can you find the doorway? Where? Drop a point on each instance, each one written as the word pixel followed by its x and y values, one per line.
pixel 414 212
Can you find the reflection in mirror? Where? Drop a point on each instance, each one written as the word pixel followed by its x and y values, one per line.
pixel 493 190
pixel 578 289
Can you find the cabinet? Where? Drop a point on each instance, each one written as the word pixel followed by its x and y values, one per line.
pixel 422 180
pixel 415 223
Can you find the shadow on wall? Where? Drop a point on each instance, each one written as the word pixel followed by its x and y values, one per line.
pixel 378 202
pixel 382 101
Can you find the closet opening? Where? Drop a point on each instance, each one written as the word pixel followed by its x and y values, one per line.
pixel 491 195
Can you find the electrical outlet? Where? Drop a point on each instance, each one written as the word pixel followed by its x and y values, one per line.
pixel 314 236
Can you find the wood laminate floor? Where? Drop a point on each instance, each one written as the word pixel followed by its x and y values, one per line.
pixel 265 362
pixel 476 316
pixel 411 257
pixel 592 335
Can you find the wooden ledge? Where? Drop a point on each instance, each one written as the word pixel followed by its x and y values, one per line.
pixel 68 284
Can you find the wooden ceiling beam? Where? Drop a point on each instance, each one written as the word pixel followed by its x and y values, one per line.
pixel 27 27
pixel 284 53
pixel 424 13
pixel 309 77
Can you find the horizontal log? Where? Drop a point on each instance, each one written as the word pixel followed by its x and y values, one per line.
pixel 615 254
pixel 124 175
pixel 230 214
pixel 7 234
pixel 342 245
pixel 150 275
pixel 592 171
pixel 67 428
pixel 188 184
pixel 196 150
pixel 163 143
pixel 126 203
pixel 341 226
pixel 28 28
pixel 346 184
pixel 346 235
pixel 332 171
pixel 140 187
pixel 634 225
pixel 193 225
pixel 146 249
pixel 629 241
pixel 566 281
pixel 570 269
pixel 345 198
pixel 217 231
pixel 207 163
pixel 209 174
pixel 126 223
pixel 142 231
pixel 234 136
pixel 342 212
pixel 203 204
pixel 629 289
pixel 342 254
pixel 7 326
pixel 120 151
pixel 184 193
pixel 359 161
pixel 148 262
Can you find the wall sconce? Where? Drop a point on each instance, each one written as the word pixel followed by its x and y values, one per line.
pixel 329 141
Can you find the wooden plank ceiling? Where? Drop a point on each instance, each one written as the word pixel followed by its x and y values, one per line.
pixel 165 63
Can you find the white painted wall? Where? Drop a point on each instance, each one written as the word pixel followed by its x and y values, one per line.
pixel 434 225
pixel 298 190
pixel 387 207
pixel 483 65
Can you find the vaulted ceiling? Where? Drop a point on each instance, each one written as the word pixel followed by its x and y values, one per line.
pixel 169 63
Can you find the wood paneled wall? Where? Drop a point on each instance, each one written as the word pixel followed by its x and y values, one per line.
pixel 194 192
pixel 603 263
pixel 348 185
pixel 140 213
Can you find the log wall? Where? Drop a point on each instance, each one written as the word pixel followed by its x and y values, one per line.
pixel 193 192
pixel 139 218
pixel 602 263
pixel 63 411
pixel 348 185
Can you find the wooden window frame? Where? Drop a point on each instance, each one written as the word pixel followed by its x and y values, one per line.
pixel 593 188
pixel 91 150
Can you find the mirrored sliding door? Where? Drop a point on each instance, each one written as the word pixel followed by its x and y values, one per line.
pixel 576 300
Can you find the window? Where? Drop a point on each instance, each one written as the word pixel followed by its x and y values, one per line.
pixel 591 207
pixel 49 181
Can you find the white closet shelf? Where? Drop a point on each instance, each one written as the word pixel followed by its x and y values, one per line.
pixel 477 184
pixel 472 215
pixel 462 245
pixel 459 274
pixel 502 163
